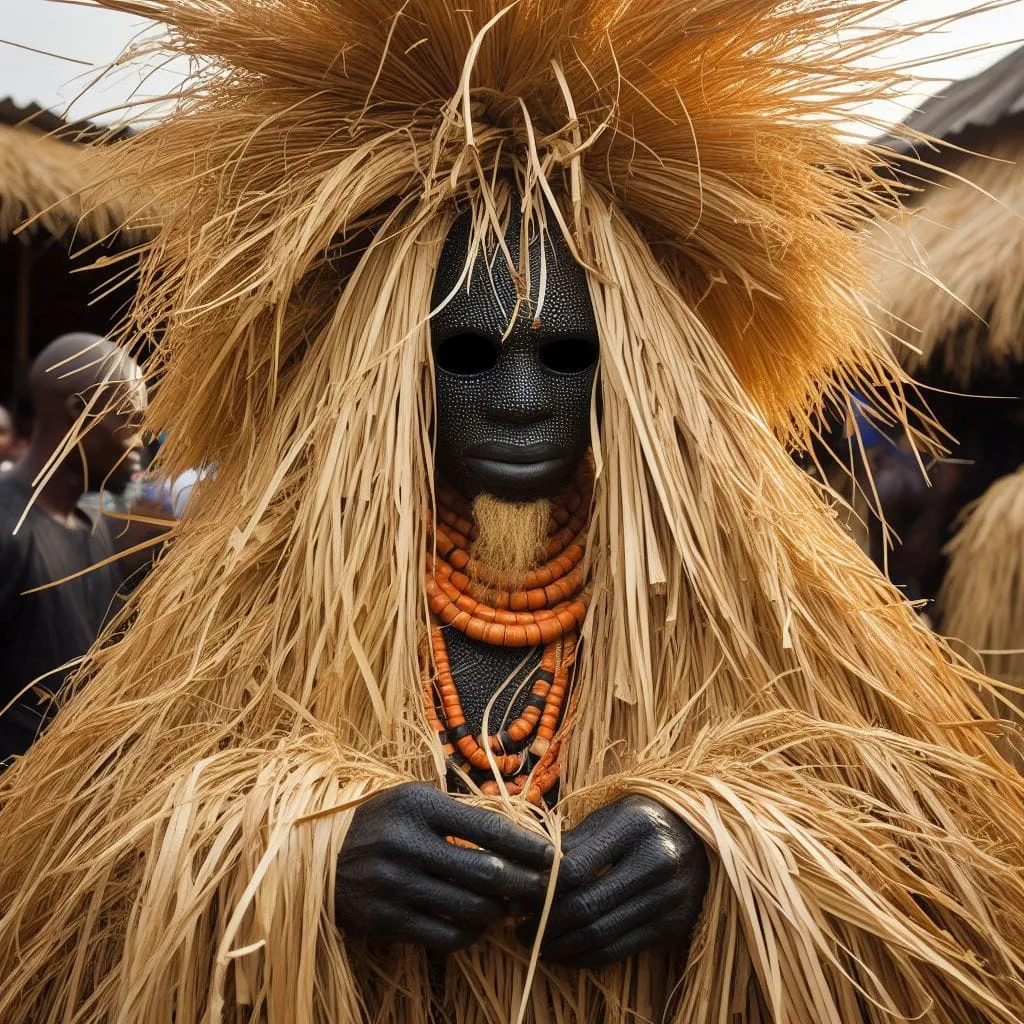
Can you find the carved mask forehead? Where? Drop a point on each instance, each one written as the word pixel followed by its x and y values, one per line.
pixel 513 406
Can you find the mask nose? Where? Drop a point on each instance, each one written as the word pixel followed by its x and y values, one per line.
pixel 521 398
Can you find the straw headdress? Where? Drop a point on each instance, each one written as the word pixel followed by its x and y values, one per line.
pixel 170 843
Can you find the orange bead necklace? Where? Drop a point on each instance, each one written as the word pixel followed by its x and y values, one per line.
pixel 546 610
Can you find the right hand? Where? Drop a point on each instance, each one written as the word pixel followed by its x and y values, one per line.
pixel 400 880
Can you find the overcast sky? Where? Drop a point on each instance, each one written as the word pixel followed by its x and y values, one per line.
pixel 96 37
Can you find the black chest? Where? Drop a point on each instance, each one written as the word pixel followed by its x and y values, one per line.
pixel 495 688
pixel 488 675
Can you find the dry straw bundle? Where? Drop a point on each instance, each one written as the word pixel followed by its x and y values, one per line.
pixel 170 843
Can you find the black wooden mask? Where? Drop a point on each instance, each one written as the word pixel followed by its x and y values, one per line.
pixel 513 416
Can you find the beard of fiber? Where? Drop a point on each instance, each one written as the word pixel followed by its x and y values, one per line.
pixel 511 537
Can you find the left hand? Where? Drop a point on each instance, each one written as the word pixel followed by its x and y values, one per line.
pixel 633 875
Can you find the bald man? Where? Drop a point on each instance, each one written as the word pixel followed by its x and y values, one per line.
pixel 44 633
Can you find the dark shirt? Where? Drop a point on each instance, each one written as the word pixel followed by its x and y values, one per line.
pixel 41 633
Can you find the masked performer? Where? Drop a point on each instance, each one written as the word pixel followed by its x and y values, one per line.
pixel 508 640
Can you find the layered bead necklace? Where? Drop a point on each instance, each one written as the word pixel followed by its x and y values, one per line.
pixel 546 610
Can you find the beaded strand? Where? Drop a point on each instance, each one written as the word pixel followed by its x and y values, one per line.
pixel 546 611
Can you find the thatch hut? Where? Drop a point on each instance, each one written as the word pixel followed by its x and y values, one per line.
pixel 959 329
pixel 968 318
pixel 53 225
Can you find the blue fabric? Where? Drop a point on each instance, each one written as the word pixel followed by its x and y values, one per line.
pixel 871 436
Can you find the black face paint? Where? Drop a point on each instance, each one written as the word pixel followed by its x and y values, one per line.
pixel 513 417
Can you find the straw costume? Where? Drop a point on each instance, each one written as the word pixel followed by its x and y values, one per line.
pixel 170 843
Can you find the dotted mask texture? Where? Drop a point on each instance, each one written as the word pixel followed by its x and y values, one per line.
pixel 519 400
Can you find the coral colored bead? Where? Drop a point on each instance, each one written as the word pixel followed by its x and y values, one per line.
pixel 550 630
pixel 494 634
pixel 542 577
pixel 567 620
pixel 534 637
pixel 515 636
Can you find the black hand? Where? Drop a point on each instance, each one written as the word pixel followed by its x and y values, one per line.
pixel 399 880
pixel 633 875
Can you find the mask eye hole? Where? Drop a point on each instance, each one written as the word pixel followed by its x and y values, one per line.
pixel 466 354
pixel 569 355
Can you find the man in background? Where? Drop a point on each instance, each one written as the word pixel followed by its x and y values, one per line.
pixel 7 439
pixel 59 573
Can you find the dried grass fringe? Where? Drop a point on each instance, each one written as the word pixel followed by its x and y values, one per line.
pixel 169 844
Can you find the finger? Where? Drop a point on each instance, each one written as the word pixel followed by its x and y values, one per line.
pixel 462 906
pixel 636 941
pixel 389 922
pixel 483 872
pixel 655 905
pixel 595 844
pixel 591 826
pixel 494 832
pixel 631 877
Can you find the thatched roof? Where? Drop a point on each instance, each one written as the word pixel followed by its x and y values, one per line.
pixel 969 107
pixel 47 173
pixel 965 316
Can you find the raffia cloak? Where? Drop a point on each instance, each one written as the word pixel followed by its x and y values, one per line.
pixel 169 844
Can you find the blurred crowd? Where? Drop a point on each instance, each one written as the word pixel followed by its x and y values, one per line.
pixel 81 521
